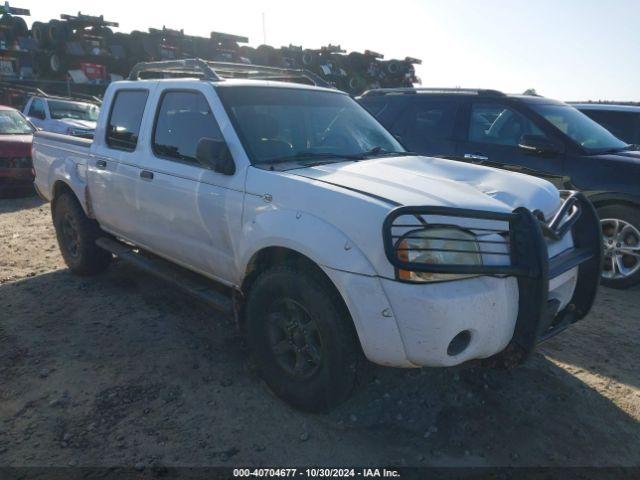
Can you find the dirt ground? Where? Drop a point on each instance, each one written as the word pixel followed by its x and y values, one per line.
pixel 120 369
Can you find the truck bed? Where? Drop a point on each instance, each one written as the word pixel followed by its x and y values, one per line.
pixel 47 137
pixel 57 157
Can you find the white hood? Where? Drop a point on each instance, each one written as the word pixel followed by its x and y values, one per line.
pixel 437 182
pixel 81 124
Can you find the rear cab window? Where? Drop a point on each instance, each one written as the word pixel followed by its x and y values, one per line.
pixel 183 118
pixel 125 118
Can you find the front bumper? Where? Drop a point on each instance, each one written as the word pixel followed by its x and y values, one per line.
pixel 530 295
pixel 546 280
pixel 15 180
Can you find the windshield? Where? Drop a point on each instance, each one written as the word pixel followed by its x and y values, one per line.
pixel 12 123
pixel 278 125
pixel 75 110
pixel 580 128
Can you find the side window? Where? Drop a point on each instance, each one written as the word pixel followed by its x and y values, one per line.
pixel 125 118
pixel 36 109
pixel 426 121
pixel 500 125
pixel 183 118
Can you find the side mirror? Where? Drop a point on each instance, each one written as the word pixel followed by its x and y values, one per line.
pixel 215 155
pixel 539 145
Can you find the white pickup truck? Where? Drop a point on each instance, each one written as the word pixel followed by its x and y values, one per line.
pixel 62 115
pixel 334 242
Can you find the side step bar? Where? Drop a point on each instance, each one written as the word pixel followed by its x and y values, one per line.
pixel 191 283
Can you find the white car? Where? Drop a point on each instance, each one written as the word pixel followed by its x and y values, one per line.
pixel 61 115
pixel 335 243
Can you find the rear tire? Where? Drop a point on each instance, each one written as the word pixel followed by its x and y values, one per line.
pixel 621 236
pixel 77 235
pixel 302 338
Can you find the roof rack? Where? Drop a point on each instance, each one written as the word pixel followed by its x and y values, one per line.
pixel 415 90
pixel 218 71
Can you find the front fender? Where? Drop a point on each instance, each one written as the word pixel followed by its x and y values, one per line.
pixel 307 234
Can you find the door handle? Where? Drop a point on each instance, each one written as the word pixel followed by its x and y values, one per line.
pixel 101 164
pixel 478 157
pixel 146 175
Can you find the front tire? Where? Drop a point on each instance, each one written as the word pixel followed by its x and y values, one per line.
pixel 302 338
pixel 77 234
pixel 621 237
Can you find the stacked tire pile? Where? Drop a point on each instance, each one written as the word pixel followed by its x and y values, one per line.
pixel 55 49
pixel 76 42
pixel 15 41
pixel 353 72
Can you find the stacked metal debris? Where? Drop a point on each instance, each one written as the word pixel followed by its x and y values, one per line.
pixel 83 49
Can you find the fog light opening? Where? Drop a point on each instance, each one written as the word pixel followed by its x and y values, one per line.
pixel 459 343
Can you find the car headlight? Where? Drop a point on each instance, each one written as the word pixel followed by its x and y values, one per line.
pixel 437 246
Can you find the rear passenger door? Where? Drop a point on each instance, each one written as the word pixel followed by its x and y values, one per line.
pixel 493 130
pixel 113 167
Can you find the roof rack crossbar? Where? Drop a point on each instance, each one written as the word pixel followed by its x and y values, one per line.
pixel 413 90
pixel 218 71
pixel 189 65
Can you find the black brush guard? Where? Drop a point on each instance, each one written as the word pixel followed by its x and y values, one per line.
pixel 525 245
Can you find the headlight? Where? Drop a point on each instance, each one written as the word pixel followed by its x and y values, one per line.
pixel 437 246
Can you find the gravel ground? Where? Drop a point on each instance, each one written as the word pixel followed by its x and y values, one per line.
pixel 120 369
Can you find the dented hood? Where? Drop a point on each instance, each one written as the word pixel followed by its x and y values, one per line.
pixel 430 181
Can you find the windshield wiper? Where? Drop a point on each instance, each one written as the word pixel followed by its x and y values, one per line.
pixel 303 155
pixel 378 150
pixel 325 158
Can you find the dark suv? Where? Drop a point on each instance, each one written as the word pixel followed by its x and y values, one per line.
pixel 531 135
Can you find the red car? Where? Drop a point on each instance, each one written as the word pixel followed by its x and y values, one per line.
pixel 16 169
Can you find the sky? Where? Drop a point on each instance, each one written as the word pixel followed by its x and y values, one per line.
pixel 565 49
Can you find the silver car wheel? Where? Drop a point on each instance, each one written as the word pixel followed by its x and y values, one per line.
pixel 621 248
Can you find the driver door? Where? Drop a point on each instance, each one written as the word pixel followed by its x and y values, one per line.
pixel 494 131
